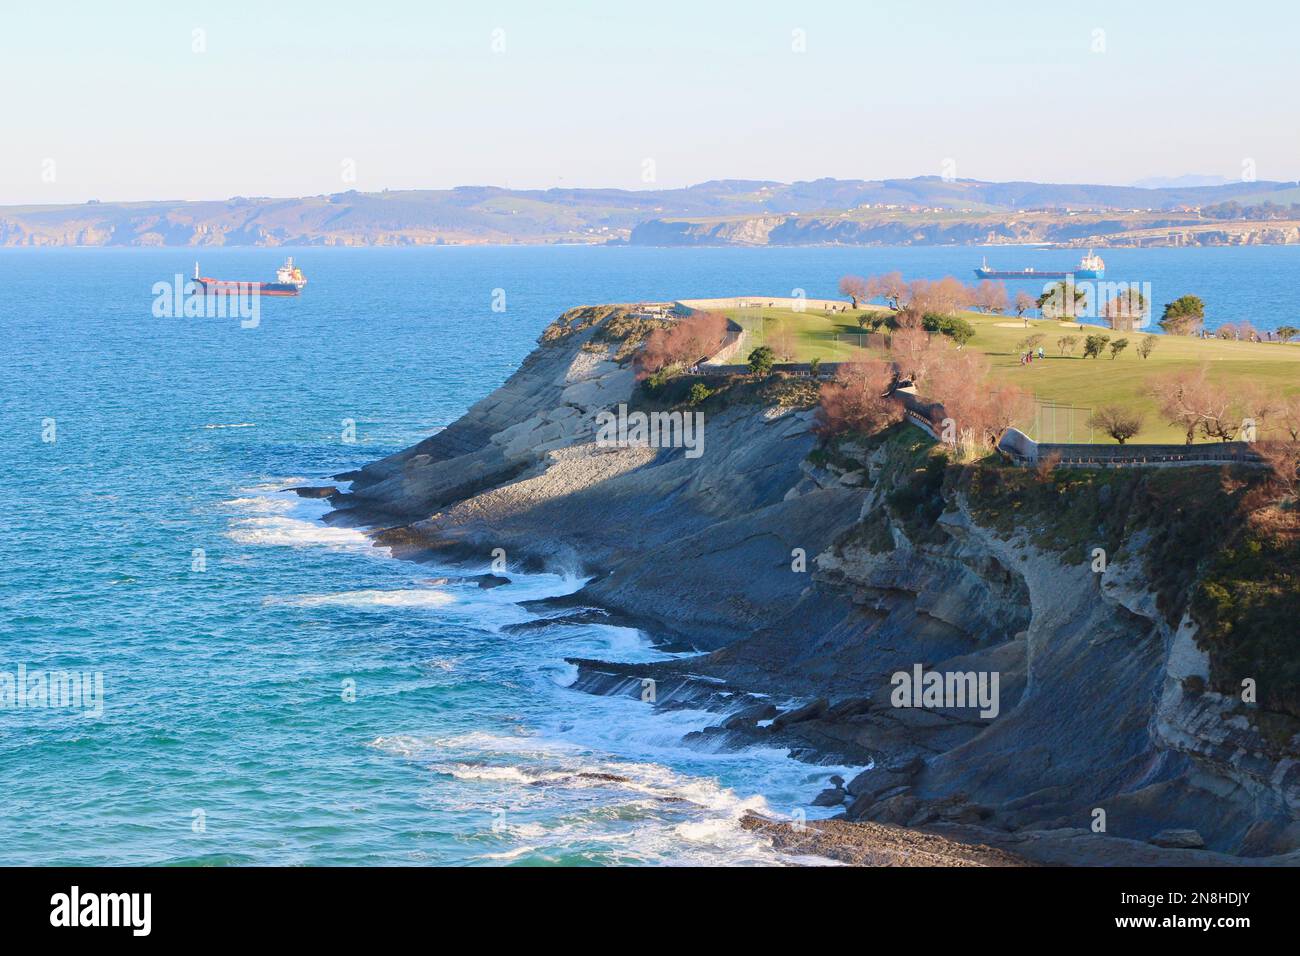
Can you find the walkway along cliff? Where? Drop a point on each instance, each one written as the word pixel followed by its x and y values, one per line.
pixel 807 576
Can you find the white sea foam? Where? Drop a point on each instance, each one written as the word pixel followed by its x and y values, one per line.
pixel 293 532
pixel 275 484
pixel 491 774
pixel 413 598
pixel 510 854
pixel 611 775
pixel 233 425
pixel 261 504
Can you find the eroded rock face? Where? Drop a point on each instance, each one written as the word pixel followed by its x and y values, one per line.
pixel 1178 839
pixel 1101 705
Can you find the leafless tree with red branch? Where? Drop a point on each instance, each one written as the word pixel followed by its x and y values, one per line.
pixel 856 400
pixel 685 342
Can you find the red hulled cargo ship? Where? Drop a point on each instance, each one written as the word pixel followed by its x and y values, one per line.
pixel 289 280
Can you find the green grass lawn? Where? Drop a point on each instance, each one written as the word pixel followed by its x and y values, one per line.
pixel 1078 384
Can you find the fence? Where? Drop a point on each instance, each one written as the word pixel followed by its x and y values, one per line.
pixel 1061 422
pixel 733 342
pixel 686 306
pixel 824 370
pixel 1023 450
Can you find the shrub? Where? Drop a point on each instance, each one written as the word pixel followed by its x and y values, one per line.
pixel 1184 316
pixel 856 401
pixel 953 326
pixel 1119 423
pixel 1094 344
pixel 684 342
pixel 761 361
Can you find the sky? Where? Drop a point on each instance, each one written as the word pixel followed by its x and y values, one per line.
pixel 197 100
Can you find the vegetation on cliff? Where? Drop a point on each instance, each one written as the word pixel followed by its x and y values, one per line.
pixel 1217 544
pixel 658 393
pixel 1071 386
pixel 1247 605
pixel 584 317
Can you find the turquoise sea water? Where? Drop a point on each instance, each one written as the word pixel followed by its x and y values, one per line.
pixel 229 731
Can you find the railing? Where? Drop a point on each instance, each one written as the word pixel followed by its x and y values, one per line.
pixel 1020 449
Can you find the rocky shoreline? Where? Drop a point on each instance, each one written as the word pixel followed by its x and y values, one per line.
pixel 803 590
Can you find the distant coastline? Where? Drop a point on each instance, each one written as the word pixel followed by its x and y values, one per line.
pixel 921 211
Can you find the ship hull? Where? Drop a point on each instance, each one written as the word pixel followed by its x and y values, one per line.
pixel 229 287
pixel 1030 276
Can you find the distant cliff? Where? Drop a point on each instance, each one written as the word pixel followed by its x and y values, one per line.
pixel 902 230
pixel 926 209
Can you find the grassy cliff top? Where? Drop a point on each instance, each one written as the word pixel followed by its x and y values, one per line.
pixel 1066 379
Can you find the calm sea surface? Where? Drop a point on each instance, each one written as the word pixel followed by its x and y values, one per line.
pixel 278 691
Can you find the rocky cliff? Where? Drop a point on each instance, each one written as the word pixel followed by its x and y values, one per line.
pixel 806 576
pixel 976 229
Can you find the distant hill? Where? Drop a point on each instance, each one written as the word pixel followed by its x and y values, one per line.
pixel 1179 182
pixel 488 214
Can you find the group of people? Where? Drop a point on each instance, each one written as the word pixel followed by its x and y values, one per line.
pixel 1027 357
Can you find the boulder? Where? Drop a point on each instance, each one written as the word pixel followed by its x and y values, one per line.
pixel 810 711
pixel 312 491
pixel 969 813
pixel 830 797
pixel 1178 839
pixel 872 783
pixel 907 768
pixel 491 580
pixel 897 809
pixel 747 717
pixel 849 707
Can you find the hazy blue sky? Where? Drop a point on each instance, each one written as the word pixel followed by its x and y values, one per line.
pixel 110 101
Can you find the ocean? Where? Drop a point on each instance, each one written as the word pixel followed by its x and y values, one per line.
pixel 278 691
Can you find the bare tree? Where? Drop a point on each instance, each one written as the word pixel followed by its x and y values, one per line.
pixel 990 296
pixel 783 343
pixel 891 287
pixel 1280 448
pixel 981 412
pixel 1024 302
pixel 1127 310
pixel 1286 417
pixel 856 288
pixel 685 342
pixel 1283 460
pixel 1191 401
pixel 1119 423
pixel 911 350
pixel 857 400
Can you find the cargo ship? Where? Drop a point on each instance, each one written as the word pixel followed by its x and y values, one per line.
pixel 289 280
pixel 1090 267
